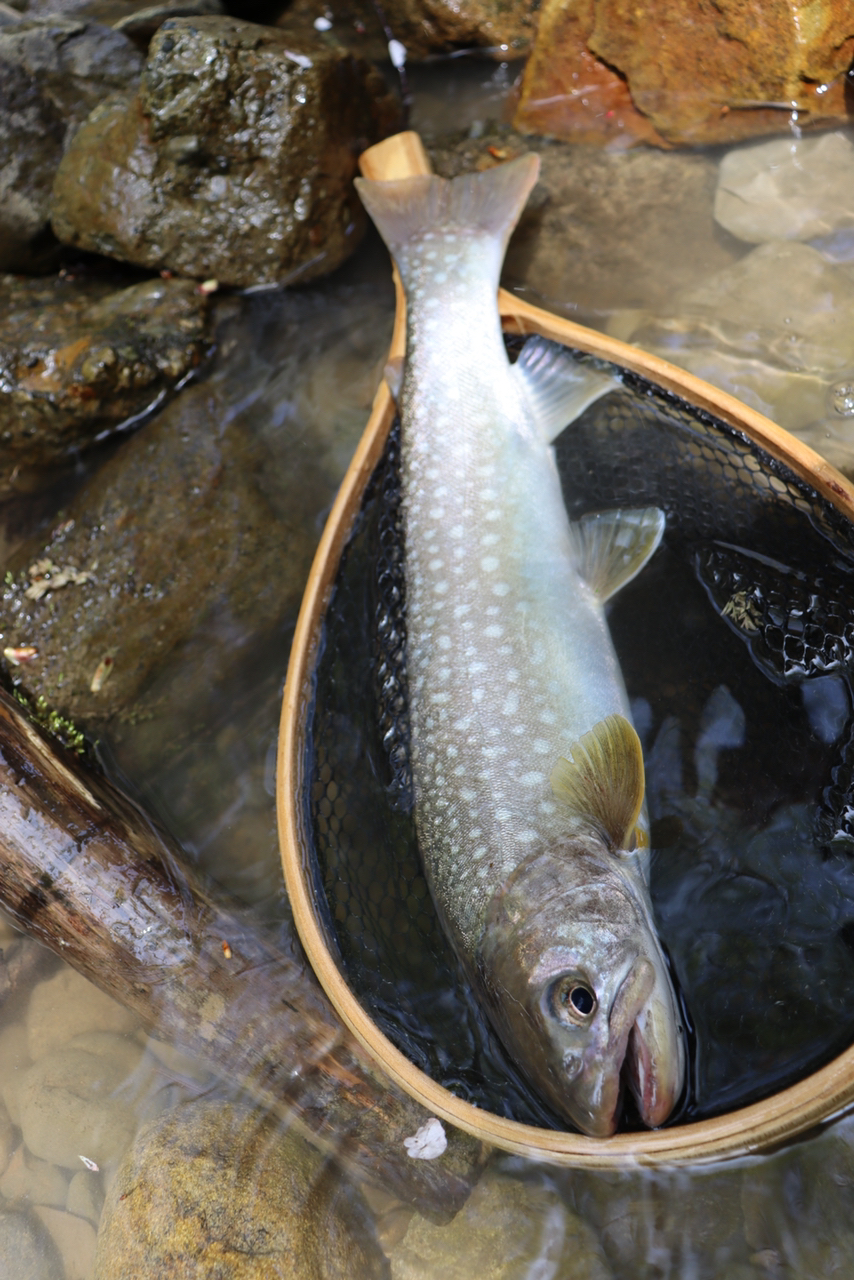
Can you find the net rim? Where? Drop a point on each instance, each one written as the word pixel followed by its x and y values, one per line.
pixel 749 1130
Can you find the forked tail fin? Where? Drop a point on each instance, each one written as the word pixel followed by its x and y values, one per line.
pixel 483 205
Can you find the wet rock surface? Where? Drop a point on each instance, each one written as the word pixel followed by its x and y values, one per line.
pixel 686 73
pixel 234 162
pixel 603 231
pixel 183 516
pixel 213 1189
pixel 78 357
pixel 500 28
pixel 136 18
pixel 53 71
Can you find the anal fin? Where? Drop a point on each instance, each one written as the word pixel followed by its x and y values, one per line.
pixel 613 546
pixel 603 782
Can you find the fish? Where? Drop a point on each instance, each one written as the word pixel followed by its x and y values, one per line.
pixel 527 773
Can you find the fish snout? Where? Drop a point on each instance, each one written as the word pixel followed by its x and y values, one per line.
pixel 654 1058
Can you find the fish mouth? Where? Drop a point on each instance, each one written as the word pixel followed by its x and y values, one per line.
pixel 653 1064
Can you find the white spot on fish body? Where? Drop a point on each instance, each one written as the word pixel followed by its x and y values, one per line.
pixel 541 747
pixel 512 675
pixel 444 642
pixel 490 539
pixel 503 815
pixel 477 695
pixel 489 564
pixel 527 836
pixel 532 779
pixel 492 515
pixel 440 587
pixel 494 631
pixel 501 589
pixel 511 703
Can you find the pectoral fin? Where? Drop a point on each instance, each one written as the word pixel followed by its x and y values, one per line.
pixel 558 387
pixel 613 546
pixel 393 374
pixel 603 782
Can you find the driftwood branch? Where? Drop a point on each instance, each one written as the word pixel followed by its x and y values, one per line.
pixel 86 873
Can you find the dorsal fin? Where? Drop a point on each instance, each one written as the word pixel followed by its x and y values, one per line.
pixel 613 546
pixel 557 385
pixel 603 782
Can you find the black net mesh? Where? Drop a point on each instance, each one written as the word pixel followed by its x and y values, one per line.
pixel 735 644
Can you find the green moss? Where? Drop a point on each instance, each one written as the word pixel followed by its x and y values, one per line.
pixel 57 725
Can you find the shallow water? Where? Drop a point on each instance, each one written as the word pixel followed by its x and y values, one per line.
pixel 302 369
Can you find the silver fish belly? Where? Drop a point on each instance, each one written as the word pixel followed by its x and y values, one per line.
pixel 527 775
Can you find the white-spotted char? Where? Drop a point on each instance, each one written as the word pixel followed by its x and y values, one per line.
pixel 528 776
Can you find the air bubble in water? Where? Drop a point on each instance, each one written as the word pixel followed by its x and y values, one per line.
pixel 842 398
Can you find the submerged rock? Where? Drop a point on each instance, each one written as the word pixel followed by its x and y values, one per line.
pixel 78 358
pixel 65 1006
pixel 26 1250
pixel 234 162
pixel 78 1101
pixel 797 1207
pixel 507 1230
pixel 775 329
pixel 665 1223
pixel 212 1189
pixel 788 189
pixel 178 521
pixel 30 1181
pixel 53 71
pixel 685 72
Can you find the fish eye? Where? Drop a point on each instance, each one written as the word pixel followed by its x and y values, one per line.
pixel 572 1000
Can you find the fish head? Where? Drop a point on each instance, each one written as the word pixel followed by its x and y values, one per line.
pixel 579 990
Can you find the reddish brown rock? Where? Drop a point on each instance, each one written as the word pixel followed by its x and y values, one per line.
pixel 234 161
pixel 693 72
pixel 568 92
